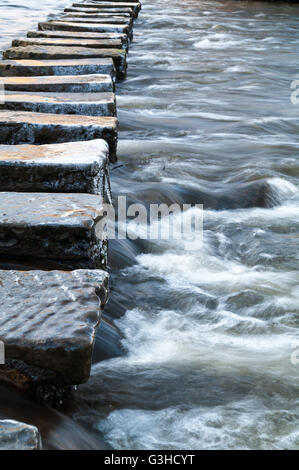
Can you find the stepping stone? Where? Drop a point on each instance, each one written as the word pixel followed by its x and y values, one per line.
pixel 101 2
pixel 99 9
pixel 53 226
pixel 125 17
pixel 60 84
pixel 94 18
pixel 90 104
pixel 18 68
pixel 48 322
pixel 18 436
pixel 17 127
pixel 73 167
pixel 75 53
pixel 84 27
pixel 135 6
pixel 90 43
pixel 84 36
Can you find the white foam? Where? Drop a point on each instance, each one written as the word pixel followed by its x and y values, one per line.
pixel 242 424
pixel 223 41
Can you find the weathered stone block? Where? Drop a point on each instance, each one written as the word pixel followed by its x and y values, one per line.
pixel 111 17
pixel 89 104
pixel 13 68
pixel 64 227
pixel 135 6
pixel 73 167
pixel 38 52
pixel 60 84
pixel 94 18
pixel 18 436
pixel 100 9
pixel 56 25
pixel 90 43
pixel 81 35
pixel 38 128
pixel 48 321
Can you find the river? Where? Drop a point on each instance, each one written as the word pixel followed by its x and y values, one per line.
pixel 209 337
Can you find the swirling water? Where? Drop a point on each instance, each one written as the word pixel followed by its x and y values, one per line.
pixel 209 337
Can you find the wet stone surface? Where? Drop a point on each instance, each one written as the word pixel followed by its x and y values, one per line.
pixel 79 167
pixel 81 36
pixel 112 21
pixel 60 84
pixel 90 104
pixel 83 66
pixel 101 9
pixel 63 227
pixel 17 127
pixel 135 6
pixel 89 43
pixel 94 18
pixel 112 17
pixel 18 436
pixel 41 52
pixel 87 27
pixel 48 321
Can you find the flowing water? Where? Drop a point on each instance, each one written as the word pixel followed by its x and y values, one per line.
pixel 209 337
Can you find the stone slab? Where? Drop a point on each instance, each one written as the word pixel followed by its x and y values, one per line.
pixel 29 68
pixel 99 9
pixel 38 128
pixel 89 104
pixel 60 84
pixel 90 43
pixel 95 18
pixel 80 167
pixel 56 25
pixel 38 52
pixel 101 2
pixel 48 321
pixel 64 227
pixel 125 17
pixel 78 35
pixel 135 6
pixel 18 436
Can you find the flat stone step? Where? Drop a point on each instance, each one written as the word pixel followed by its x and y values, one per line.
pixel 29 68
pixel 18 436
pixel 96 2
pixel 37 52
pixel 60 84
pixel 78 35
pixel 48 226
pixel 17 127
pixel 117 11
pixel 90 43
pixel 48 322
pixel 90 104
pixel 106 2
pixel 72 167
pixel 125 17
pixel 96 18
pixel 57 25
pixel 135 6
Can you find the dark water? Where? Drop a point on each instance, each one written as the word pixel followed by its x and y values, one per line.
pixel 206 117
